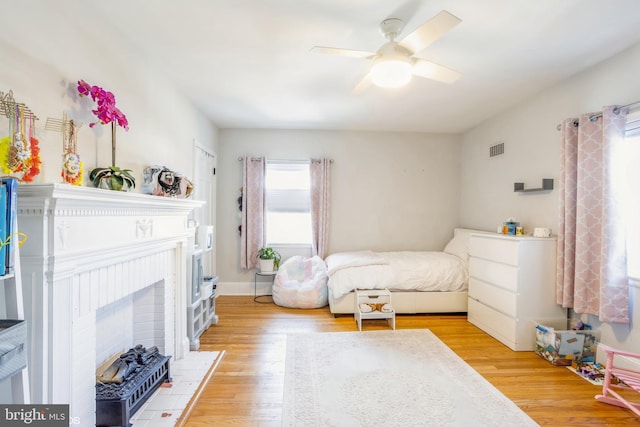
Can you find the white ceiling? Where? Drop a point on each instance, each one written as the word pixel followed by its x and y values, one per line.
pixel 247 63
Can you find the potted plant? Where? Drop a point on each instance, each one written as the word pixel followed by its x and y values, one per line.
pixel 269 259
pixel 112 178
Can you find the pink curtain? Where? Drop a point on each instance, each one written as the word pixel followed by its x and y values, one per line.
pixel 592 265
pixel 253 205
pixel 320 203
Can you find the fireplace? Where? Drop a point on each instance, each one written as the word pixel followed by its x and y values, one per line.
pixel 95 256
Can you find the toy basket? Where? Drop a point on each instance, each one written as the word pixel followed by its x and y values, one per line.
pixel 562 347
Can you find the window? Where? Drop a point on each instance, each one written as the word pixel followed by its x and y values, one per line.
pixel 632 201
pixel 288 203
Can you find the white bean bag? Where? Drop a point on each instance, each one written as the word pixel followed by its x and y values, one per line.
pixel 301 283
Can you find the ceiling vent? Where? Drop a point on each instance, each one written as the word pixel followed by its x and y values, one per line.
pixel 496 150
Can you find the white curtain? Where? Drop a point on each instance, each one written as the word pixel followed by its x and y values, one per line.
pixel 592 263
pixel 253 205
pixel 320 170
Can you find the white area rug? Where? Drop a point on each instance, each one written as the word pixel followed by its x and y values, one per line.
pixel 387 378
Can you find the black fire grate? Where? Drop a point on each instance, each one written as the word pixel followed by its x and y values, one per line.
pixel 128 383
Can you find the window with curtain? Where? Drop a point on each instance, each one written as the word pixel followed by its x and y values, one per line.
pixel 288 203
pixel 632 140
pixel 592 257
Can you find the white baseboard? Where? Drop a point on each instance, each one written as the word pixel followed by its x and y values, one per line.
pixel 622 361
pixel 243 288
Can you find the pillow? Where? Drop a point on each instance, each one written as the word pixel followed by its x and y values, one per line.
pixel 459 245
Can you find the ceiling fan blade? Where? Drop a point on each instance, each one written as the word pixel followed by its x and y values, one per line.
pixel 430 31
pixel 430 70
pixel 363 85
pixel 343 52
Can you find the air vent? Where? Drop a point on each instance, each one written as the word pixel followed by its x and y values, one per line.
pixel 496 150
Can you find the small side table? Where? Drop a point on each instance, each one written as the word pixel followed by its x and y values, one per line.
pixel 376 296
pixel 257 274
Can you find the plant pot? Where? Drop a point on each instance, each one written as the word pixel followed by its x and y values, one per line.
pixel 112 178
pixel 266 266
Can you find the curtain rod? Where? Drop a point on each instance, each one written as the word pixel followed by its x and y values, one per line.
pixel 595 117
pixel 281 160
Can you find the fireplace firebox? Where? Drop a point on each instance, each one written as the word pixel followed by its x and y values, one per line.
pixel 124 386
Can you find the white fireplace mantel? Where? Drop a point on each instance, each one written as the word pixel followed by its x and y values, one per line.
pixel 87 248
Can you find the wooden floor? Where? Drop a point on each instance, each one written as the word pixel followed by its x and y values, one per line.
pixel 247 387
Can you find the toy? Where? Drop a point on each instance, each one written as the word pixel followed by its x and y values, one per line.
pixel 161 181
pixel 382 307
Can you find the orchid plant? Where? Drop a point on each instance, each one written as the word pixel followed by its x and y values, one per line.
pixel 106 111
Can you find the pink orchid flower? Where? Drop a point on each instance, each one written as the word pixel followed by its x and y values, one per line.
pixel 106 110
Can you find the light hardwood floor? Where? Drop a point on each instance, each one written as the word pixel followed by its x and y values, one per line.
pixel 246 388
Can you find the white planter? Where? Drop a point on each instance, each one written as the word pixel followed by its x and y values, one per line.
pixel 266 266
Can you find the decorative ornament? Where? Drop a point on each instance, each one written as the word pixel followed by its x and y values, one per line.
pixel 20 152
pixel 72 167
pixel 161 181
pixel 72 171
pixel 33 163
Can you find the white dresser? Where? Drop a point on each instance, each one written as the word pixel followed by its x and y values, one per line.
pixel 512 284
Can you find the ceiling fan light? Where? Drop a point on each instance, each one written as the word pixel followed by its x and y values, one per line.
pixel 391 73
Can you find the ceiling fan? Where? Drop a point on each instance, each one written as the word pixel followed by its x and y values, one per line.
pixel 396 62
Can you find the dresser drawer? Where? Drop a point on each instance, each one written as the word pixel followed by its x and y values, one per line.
pixel 501 249
pixel 503 275
pixel 500 299
pixel 498 325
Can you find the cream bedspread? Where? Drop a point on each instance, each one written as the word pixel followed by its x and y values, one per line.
pixel 401 270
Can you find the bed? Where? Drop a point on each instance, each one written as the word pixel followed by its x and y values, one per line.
pixel 420 282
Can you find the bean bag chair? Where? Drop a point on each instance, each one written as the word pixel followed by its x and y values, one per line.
pixel 301 283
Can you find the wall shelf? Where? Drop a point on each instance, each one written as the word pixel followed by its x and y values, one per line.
pixel 547 184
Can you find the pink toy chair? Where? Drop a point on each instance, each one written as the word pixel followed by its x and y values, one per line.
pixel 630 377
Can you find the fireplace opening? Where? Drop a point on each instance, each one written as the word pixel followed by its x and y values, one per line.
pixel 126 379
pixel 137 318
pixel 123 386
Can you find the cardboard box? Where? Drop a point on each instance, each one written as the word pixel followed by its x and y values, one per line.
pixel 562 346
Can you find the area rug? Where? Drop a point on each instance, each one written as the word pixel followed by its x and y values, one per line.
pixel 387 378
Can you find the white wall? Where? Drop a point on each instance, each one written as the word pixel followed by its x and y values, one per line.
pixel 532 153
pixel 390 191
pixel 41 66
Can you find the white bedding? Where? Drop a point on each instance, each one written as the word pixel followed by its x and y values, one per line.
pixel 401 270
pixel 342 260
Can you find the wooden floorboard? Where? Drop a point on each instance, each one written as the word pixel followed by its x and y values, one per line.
pixel 246 388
